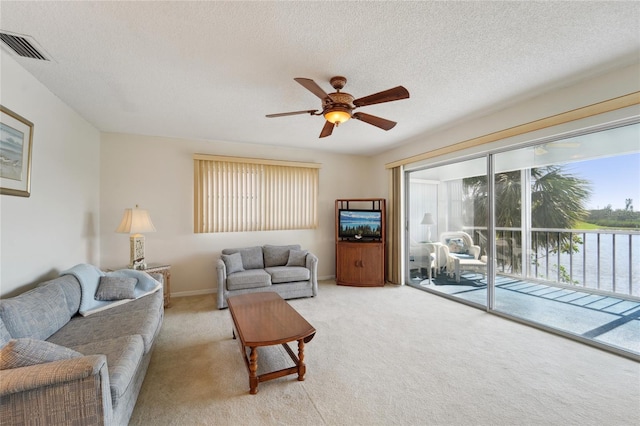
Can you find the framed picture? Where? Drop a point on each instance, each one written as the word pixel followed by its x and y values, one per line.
pixel 16 137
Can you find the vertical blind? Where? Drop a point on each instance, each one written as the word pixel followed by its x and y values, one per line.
pixel 233 194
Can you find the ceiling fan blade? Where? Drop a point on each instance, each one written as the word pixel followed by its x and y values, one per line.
pixel 282 114
pixel 394 94
pixel 382 123
pixel 311 86
pixel 327 129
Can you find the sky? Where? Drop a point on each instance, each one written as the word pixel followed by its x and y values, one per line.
pixel 613 180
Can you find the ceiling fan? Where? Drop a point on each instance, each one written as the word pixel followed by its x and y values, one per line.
pixel 337 107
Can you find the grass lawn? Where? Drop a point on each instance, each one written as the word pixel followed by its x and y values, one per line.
pixel 589 226
pixel 585 225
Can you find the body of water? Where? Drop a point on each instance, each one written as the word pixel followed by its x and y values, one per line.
pixel 604 261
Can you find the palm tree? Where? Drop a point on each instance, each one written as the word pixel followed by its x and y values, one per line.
pixel 557 202
pixel 557 198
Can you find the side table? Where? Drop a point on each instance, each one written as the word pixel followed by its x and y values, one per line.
pixel 165 270
pixel 159 268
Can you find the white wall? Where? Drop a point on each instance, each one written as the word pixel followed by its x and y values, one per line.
pixel 57 226
pixel 157 174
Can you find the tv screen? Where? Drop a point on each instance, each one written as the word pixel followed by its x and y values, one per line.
pixel 360 224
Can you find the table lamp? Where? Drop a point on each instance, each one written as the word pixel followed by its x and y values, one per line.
pixel 135 222
pixel 428 220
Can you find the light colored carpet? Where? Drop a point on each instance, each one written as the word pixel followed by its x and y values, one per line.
pixel 386 356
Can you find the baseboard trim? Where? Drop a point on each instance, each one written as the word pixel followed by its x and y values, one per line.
pixel 327 277
pixel 193 293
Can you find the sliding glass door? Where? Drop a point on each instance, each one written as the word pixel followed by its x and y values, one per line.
pixel 580 272
pixel 553 241
pixel 446 221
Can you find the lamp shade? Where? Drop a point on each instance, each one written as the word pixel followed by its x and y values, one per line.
pixel 135 221
pixel 427 219
pixel 337 115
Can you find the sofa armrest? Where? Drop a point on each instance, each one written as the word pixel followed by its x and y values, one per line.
pixel 222 280
pixel 40 393
pixel 158 277
pixel 311 262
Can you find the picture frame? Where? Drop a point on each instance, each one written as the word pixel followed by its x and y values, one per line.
pixel 16 141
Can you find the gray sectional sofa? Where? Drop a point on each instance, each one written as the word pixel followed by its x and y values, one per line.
pixel 287 270
pixel 60 367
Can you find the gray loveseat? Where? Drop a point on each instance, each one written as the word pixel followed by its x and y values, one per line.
pixel 59 367
pixel 287 270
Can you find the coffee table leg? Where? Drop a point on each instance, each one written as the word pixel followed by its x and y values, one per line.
pixel 301 367
pixel 253 369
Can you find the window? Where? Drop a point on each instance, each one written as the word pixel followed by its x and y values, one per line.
pixel 234 194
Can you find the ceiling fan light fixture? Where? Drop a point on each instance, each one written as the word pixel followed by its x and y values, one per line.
pixel 337 107
pixel 337 115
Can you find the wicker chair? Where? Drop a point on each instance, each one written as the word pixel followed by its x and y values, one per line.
pixel 421 259
pixel 462 254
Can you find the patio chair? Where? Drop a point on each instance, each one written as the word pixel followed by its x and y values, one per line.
pixel 462 254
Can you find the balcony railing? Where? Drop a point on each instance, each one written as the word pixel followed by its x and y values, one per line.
pixel 605 260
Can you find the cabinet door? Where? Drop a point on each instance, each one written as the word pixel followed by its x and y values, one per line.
pixel 348 271
pixel 371 264
pixel 360 264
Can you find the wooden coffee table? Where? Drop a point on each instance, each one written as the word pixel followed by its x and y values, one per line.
pixel 265 319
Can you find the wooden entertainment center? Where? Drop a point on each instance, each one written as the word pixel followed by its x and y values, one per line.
pixel 360 259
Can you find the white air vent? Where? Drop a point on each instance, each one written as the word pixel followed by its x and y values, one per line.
pixel 23 46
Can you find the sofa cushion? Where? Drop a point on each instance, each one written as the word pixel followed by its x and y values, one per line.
pixel 123 358
pixel 24 352
pixel 287 274
pixel 233 262
pixel 37 313
pixel 277 255
pixel 252 278
pixel 297 258
pixel 4 334
pixel 463 256
pixel 141 316
pixel 116 288
pixel 71 289
pixel 251 256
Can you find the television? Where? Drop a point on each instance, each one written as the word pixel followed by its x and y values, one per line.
pixel 360 225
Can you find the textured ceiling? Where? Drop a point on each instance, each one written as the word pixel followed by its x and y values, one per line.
pixel 212 70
